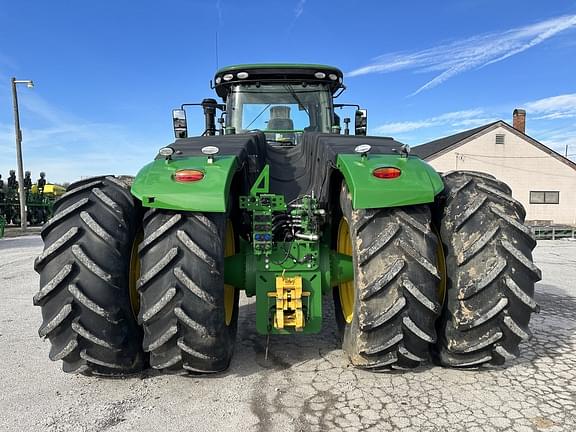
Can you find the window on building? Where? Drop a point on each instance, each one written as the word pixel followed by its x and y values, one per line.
pixel 544 197
pixel 500 138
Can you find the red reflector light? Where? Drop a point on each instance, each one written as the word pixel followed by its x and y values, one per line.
pixel 188 175
pixel 386 173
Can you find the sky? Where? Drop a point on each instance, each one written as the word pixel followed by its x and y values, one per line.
pixel 108 73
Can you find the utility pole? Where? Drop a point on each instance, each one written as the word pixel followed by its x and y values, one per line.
pixel 29 84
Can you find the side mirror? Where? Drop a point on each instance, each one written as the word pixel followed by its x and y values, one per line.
pixel 179 123
pixel 360 122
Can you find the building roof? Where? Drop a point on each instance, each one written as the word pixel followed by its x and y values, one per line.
pixel 440 146
pixel 424 151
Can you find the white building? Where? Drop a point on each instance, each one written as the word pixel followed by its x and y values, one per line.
pixel 541 179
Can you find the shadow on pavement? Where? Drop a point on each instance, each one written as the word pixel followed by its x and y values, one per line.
pixel 284 351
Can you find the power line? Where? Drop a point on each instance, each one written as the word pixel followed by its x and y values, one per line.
pixel 519 169
pixel 505 157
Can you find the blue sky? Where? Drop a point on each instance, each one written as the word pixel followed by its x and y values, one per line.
pixel 108 74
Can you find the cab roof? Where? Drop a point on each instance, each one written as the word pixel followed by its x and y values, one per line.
pixel 277 72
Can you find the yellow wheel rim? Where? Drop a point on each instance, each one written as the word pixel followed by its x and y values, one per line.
pixel 229 290
pixel 441 258
pixel 345 290
pixel 134 274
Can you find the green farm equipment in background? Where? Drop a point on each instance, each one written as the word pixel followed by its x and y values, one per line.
pixel 39 200
pixel 280 201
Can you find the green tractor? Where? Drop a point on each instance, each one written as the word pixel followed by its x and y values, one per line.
pixel 275 199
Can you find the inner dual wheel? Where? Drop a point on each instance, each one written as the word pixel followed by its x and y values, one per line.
pixel 188 314
pixel 388 313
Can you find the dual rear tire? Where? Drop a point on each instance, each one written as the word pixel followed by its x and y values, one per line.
pixel 118 294
pixel 466 300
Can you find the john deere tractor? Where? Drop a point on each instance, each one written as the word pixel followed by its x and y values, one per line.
pixel 280 201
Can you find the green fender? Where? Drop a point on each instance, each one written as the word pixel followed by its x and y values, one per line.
pixel 418 182
pixel 155 185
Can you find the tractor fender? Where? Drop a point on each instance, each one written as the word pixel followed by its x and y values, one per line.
pixel 418 182
pixel 155 185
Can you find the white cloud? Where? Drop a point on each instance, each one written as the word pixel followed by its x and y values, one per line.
pixel 558 138
pixel 299 8
pixel 68 147
pixel 456 119
pixel 555 107
pixel 551 129
pixel 472 53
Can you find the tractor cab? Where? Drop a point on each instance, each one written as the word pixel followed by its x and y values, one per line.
pixel 282 111
pixel 281 100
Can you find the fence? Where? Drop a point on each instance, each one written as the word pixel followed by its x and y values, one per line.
pixel 553 232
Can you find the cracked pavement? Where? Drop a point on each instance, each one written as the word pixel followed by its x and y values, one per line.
pixel 305 384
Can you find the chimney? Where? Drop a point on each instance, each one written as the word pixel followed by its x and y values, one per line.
pixel 519 120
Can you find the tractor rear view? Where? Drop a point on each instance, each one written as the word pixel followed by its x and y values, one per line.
pixel 276 199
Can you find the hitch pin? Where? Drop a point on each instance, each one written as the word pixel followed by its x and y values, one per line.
pixel 311 237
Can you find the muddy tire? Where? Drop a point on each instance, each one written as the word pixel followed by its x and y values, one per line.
pixel 182 292
pixel 395 286
pixel 84 277
pixel 491 276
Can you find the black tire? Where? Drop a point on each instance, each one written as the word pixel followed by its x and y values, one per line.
pixel 182 292
pixel 395 286
pixel 491 276
pixel 84 277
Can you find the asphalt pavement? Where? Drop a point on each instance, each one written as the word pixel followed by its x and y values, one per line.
pixel 305 384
